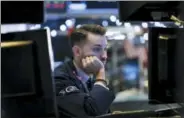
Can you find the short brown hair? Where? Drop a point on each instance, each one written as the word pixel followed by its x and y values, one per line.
pixel 80 34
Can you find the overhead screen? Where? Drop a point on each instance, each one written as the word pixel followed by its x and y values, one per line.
pixel 22 12
pixel 92 4
pixel 55 6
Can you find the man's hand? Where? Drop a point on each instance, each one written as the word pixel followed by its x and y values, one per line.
pixel 92 65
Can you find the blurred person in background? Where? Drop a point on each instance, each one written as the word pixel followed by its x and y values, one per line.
pixel 133 91
pixel 81 85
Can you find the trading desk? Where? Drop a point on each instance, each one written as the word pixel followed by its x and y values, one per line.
pixel 169 113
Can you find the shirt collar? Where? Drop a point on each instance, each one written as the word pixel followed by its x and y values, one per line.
pixel 84 77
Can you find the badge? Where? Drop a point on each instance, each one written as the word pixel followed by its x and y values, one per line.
pixel 70 89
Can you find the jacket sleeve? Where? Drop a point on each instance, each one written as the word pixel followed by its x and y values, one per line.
pixel 73 102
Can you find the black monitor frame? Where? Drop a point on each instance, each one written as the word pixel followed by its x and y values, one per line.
pixel 152 10
pixel 42 40
pixel 16 12
pixel 166 65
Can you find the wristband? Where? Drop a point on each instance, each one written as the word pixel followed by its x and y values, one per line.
pixel 101 80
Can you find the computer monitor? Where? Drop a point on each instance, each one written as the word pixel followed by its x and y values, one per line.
pixel 60 45
pixel 30 12
pixel 130 71
pixel 166 65
pixel 152 10
pixel 27 88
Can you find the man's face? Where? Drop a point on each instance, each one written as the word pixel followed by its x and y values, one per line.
pixel 96 45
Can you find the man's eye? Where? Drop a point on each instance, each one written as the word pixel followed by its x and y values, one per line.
pixel 97 49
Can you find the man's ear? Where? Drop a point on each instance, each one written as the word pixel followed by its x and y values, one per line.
pixel 76 50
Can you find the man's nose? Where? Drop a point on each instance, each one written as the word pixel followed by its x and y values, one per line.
pixel 104 55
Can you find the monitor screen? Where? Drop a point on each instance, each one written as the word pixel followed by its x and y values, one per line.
pixel 27 83
pixel 15 12
pixel 55 6
pixel 130 71
pixel 101 4
pixel 152 10
pixel 60 45
pixel 18 73
pixel 166 65
pixel 91 5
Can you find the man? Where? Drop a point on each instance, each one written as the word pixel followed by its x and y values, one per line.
pixel 77 93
